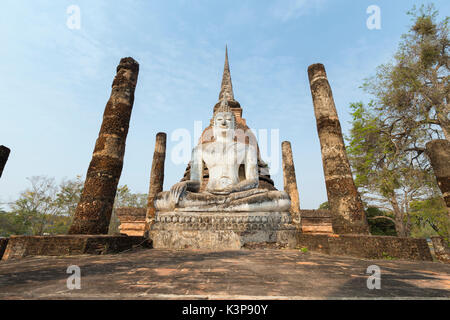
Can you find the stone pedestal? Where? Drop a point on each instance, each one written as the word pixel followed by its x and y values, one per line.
pixel 222 231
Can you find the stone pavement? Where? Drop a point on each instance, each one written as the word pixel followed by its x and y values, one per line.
pixel 199 274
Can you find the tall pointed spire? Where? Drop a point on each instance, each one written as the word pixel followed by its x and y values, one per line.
pixel 226 89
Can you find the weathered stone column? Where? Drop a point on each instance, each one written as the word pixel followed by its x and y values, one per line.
pixel 4 154
pixel 93 212
pixel 343 197
pixel 289 179
pixel 438 152
pixel 156 176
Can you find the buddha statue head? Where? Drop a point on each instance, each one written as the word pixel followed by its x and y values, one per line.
pixel 224 122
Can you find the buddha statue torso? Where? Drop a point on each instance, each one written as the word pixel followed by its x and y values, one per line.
pixel 223 162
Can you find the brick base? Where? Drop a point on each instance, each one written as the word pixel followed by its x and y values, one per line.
pixel 132 220
pixel 369 247
pixel 68 245
pixel 316 221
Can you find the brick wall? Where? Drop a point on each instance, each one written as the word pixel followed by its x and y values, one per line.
pixel 364 246
pixel 316 221
pixel 63 245
pixel 132 220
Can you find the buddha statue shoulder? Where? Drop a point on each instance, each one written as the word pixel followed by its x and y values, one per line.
pixel 225 190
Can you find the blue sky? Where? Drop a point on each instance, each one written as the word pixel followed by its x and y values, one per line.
pixel 56 81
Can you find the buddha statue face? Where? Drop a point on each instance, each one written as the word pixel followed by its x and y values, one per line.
pixel 224 124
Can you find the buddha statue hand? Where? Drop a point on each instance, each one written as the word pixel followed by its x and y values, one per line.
pixel 241 186
pixel 224 191
pixel 179 188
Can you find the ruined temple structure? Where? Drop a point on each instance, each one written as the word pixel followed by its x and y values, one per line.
pixel 226 198
pixel 222 202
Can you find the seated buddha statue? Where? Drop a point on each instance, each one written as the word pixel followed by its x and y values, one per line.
pixel 225 191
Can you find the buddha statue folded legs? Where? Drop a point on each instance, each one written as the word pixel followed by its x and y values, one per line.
pixel 253 200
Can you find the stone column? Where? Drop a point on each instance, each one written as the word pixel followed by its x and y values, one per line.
pixel 156 176
pixel 93 212
pixel 438 152
pixel 4 154
pixel 290 182
pixel 343 197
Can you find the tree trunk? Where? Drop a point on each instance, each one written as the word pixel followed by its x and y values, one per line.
pixel 398 217
pixel 442 115
pixel 438 151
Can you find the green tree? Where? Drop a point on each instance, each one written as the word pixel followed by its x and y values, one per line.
pixel 43 208
pixel 380 222
pixel 386 177
pixel 125 198
pixel 414 91
pixel 9 224
pixel 324 206
pixel 35 209
pixel 429 218
pixel 68 195
pixel 48 208
pixel 411 104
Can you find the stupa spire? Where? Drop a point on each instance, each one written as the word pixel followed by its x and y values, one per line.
pixel 226 89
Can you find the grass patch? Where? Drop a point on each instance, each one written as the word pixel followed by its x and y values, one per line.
pixel 387 257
